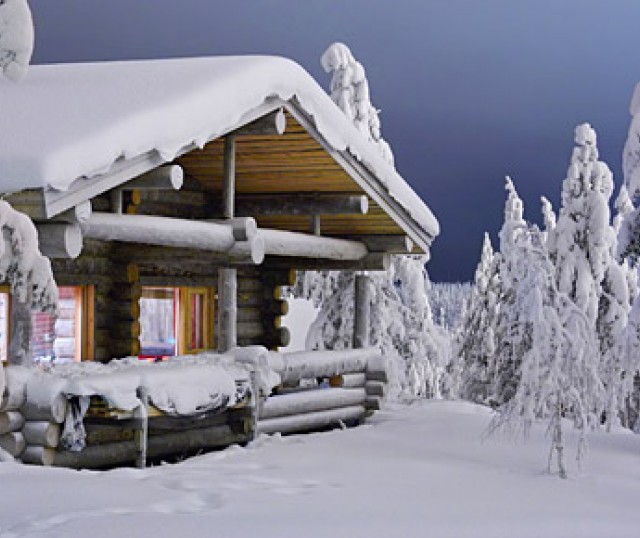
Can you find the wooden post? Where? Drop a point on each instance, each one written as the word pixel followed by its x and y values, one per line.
pixel 229 188
pixel 256 404
pixel 362 312
pixel 228 276
pixel 142 431
pixel 315 225
pixel 227 308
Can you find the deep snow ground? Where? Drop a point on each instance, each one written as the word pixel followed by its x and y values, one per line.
pixel 413 470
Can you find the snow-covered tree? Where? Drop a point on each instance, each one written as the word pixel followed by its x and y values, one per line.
pixel 350 91
pixel 16 38
pixel 510 331
pixel 401 325
pixel 624 207
pixel 476 347
pixel 26 270
pixel 448 301
pixel 583 246
pixel 549 216
pixel 557 376
pixel 546 363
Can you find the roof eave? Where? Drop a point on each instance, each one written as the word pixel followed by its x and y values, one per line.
pixel 365 179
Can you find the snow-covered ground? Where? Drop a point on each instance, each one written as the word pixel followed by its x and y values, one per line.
pixel 414 470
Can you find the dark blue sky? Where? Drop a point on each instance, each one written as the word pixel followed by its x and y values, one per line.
pixel 470 90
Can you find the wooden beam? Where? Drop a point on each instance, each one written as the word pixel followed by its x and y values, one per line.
pixel 60 240
pixel 282 243
pixel 312 421
pixel 301 204
pixel 161 231
pixel 374 261
pixel 168 177
pixel 251 252
pixel 274 123
pixel 244 228
pixel 299 365
pixel 393 244
pixel 311 401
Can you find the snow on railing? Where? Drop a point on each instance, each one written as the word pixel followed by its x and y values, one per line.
pixel 93 416
pixel 321 389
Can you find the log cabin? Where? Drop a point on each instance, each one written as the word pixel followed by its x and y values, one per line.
pixel 175 197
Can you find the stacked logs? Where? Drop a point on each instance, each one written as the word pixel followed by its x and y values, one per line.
pixel 42 428
pixel 323 389
pixel 115 437
pixel 11 417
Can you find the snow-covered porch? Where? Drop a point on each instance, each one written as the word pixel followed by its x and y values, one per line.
pixel 127 412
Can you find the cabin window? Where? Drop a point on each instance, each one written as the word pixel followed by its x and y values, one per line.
pixel 68 337
pixel 175 321
pixel 158 321
pixel 4 323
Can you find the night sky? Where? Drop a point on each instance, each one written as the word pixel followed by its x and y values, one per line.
pixel 470 90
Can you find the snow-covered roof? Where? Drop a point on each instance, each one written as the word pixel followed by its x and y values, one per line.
pixel 69 121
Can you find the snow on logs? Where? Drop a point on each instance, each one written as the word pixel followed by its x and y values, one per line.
pixel 282 243
pixel 293 367
pixel 11 418
pixel 237 238
pixel 170 177
pixel 311 401
pixel 312 421
pixel 180 233
pixel 351 394
pixel 60 240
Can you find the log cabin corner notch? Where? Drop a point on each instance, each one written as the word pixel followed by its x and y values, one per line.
pixel 232 173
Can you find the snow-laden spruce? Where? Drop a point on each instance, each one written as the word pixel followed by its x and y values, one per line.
pixel 583 247
pixel 511 338
pixel 546 360
pixel 476 346
pixel 16 38
pixel 350 91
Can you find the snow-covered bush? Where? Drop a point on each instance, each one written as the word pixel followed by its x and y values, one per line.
pixel 16 38
pixel 350 91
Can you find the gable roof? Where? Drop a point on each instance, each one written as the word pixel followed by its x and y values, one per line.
pixel 66 126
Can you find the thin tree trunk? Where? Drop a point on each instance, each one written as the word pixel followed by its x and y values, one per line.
pixel 557 443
